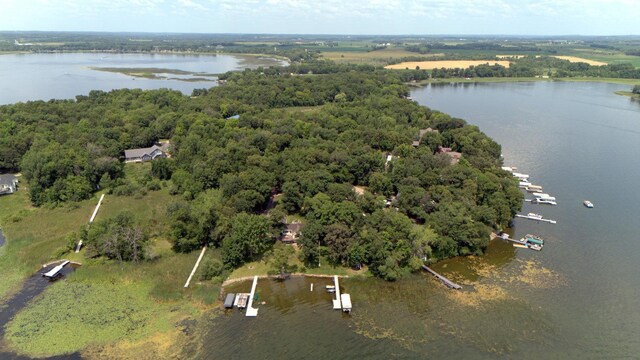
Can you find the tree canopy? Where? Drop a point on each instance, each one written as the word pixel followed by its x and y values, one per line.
pixel 306 137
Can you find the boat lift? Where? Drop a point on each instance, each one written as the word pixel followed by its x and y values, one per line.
pixel 56 271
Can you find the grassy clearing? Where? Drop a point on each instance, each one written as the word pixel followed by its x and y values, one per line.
pixel 104 305
pixel 430 65
pixel 261 268
pixel 34 235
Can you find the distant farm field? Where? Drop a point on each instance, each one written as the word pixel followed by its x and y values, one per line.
pixel 449 64
pixel 579 59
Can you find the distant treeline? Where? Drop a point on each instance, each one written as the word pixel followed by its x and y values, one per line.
pixel 542 66
pixel 480 46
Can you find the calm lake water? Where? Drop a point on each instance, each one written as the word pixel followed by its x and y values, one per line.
pixel 25 77
pixel 577 299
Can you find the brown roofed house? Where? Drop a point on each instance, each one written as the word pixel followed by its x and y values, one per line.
pixel 291 233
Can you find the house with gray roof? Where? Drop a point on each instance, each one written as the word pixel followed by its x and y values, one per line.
pixel 146 154
pixel 8 184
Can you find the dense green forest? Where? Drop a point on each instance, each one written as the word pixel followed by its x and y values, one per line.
pixel 302 140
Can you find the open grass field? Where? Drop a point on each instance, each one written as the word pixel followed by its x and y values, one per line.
pixel 34 235
pixel 430 65
pixel 377 57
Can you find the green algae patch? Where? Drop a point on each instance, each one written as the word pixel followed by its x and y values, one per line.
pixel 71 316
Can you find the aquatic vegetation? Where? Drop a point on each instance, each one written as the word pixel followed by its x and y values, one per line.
pixel 88 314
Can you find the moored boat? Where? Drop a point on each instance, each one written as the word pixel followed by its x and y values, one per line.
pixel 535 247
pixel 544 201
pixel 533 188
pixel 532 239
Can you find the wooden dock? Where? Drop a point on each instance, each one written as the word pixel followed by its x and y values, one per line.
pixel 443 279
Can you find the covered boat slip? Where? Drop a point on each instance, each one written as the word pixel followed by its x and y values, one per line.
pixel 229 300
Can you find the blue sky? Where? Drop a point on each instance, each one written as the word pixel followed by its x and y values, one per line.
pixel 508 17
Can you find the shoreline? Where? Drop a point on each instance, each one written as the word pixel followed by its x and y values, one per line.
pixel 628 94
pixel 205 53
pixel 620 81
pixel 249 278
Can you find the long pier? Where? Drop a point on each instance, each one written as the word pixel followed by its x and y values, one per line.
pixel 337 303
pixel 535 218
pixel 251 311
pixel 444 280
pixel 506 237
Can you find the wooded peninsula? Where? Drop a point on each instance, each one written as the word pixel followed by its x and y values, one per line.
pixel 299 148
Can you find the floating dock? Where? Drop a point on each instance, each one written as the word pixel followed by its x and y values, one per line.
pixel 251 311
pixel 444 280
pixel 528 242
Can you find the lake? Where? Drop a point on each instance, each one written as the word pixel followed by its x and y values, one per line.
pixel 25 77
pixel 578 298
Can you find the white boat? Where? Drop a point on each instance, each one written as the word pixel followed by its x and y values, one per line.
pixel 346 302
pixel 534 216
pixel 524 184
pixel 547 201
pixel 588 204
pixel 544 196
pixel 331 288
pixel 533 188
pixel 521 177
pixel 535 247
pixel 509 168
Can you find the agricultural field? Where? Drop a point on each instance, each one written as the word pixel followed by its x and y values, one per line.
pixel 376 57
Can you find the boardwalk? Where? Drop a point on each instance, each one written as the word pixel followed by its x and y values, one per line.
pixel 195 267
pixel 444 280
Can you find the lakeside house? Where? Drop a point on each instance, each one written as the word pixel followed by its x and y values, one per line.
pixel 147 154
pixel 421 134
pixel 8 184
pixel 291 233
pixel 454 156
